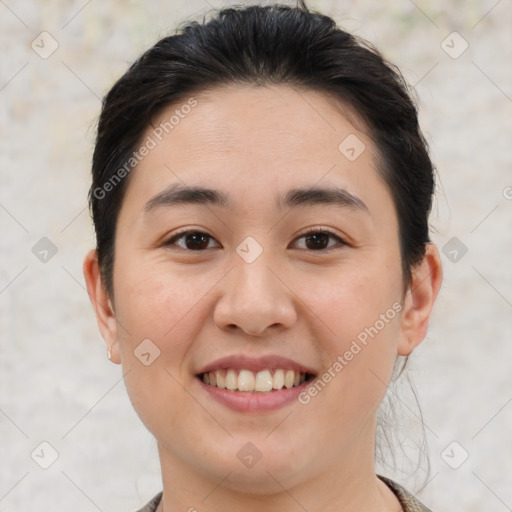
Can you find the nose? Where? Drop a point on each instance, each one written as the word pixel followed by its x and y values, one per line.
pixel 255 298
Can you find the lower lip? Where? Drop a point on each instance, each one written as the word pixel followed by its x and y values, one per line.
pixel 242 401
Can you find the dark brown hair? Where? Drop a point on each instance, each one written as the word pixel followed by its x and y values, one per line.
pixel 261 45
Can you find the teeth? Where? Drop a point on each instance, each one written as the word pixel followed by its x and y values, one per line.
pixel 246 380
pixel 221 382
pixel 231 380
pixel 289 378
pixel 278 380
pixel 263 381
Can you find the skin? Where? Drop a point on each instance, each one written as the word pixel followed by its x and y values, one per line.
pixel 294 301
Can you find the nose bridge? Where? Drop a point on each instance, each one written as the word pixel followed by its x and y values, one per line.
pixel 255 281
pixel 251 274
pixel 254 299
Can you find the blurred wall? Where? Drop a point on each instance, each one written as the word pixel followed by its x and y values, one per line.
pixel 56 386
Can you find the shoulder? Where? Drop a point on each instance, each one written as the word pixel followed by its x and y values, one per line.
pixel 408 501
pixel 152 505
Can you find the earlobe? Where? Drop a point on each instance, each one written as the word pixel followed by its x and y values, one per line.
pixel 102 305
pixel 419 301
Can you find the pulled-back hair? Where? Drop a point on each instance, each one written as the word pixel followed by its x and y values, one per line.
pixel 263 45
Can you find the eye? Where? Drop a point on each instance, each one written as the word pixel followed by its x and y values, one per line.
pixel 191 240
pixel 318 240
pixel 315 240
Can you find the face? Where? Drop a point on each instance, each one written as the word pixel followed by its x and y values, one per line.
pixel 290 273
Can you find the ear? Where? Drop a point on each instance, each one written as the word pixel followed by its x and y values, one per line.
pixel 105 315
pixel 419 300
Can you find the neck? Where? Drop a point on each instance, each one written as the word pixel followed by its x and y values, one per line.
pixel 348 484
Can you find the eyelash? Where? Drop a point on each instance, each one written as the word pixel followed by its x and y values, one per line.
pixel 314 231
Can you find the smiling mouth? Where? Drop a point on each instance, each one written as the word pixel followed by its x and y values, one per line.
pixel 264 381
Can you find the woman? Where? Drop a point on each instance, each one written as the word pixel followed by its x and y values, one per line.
pixel 260 195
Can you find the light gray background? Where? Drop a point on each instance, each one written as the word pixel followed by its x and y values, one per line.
pixel 56 384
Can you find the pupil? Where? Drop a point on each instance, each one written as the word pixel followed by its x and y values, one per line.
pixel 319 241
pixel 199 241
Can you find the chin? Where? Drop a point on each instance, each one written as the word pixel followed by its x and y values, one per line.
pixel 258 466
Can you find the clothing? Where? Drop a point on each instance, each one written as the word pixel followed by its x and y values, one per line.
pixel 151 506
pixel 407 500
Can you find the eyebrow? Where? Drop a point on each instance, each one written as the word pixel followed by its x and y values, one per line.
pixel 299 197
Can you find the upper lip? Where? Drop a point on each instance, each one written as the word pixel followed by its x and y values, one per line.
pixel 243 362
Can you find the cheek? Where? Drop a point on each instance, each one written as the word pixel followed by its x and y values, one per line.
pixel 168 308
pixel 351 298
pixel 158 303
pixel 358 310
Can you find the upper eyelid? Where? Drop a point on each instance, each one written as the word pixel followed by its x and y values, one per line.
pixel 319 230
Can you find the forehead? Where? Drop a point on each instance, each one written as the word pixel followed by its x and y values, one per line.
pixel 283 117
pixel 255 139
